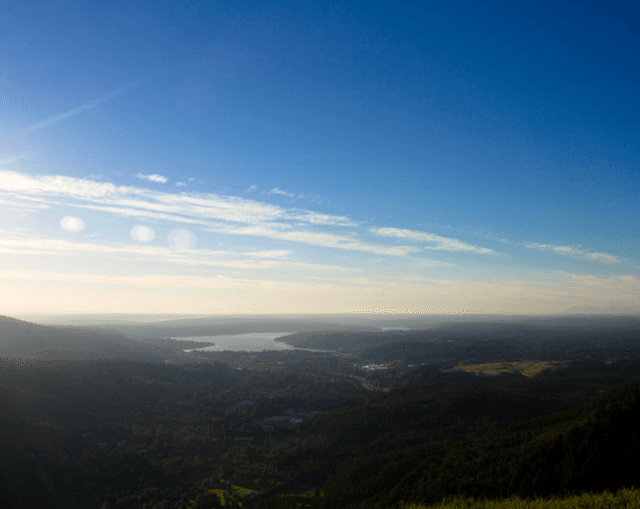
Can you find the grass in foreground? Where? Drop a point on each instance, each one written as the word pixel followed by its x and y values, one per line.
pixel 623 499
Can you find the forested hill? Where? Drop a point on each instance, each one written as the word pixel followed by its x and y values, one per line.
pixel 445 344
pixel 587 449
pixel 527 331
pixel 29 341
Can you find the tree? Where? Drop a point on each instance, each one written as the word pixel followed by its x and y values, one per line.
pixel 207 501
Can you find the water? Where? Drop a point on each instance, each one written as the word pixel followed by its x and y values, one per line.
pixel 252 342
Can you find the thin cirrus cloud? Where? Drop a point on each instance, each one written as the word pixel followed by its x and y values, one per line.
pixel 575 251
pixel 75 111
pixel 441 243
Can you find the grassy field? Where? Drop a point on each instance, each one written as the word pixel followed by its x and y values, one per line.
pixel 623 499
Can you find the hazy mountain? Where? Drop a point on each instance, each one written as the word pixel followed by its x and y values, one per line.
pixel 31 341
pixel 138 325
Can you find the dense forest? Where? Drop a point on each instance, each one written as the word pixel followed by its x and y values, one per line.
pixel 308 429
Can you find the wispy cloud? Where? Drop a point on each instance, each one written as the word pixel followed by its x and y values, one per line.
pixel 223 214
pixel 324 219
pixel 273 253
pixel 441 243
pixel 317 239
pixel 24 205
pixel 13 243
pixel 214 282
pixel 127 200
pixel 575 251
pixel 434 263
pixel 275 190
pixel 153 178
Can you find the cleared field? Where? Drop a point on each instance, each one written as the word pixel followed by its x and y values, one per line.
pixel 526 368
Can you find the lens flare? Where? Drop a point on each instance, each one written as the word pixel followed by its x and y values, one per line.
pixel 72 224
pixel 181 239
pixel 141 233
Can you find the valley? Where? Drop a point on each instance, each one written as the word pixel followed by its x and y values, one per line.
pixel 153 426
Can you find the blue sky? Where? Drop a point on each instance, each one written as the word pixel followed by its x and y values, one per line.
pixel 317 157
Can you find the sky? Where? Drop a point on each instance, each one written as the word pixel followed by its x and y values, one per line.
pixel 319 157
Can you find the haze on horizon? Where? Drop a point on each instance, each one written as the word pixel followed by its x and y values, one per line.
pixel 313 158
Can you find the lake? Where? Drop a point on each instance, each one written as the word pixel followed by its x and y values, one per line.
pixel 252 342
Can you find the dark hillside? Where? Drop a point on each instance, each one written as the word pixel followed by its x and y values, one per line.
pixel 588 448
